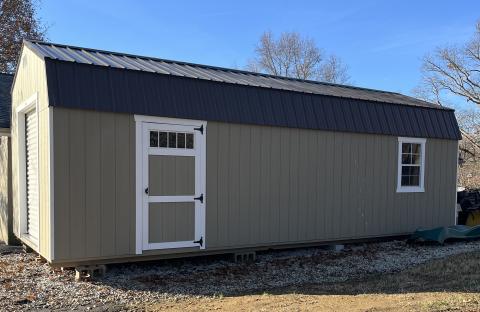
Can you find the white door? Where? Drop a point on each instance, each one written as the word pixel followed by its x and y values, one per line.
pixel 31 158
pixel 174 186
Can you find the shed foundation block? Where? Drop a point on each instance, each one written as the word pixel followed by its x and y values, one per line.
pixel 336 247
pixel 245 256
pixel 88 271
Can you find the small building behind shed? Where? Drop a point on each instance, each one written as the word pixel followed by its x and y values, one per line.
pixel 6 211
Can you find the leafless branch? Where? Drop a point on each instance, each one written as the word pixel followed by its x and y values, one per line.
pixel 454 70
pixel 292 55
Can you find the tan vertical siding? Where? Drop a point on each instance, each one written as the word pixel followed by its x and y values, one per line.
pixel 265 185
pixel 94 184
pixel 306 185
pixel 92 188
pixel 31 79
pixel 124 182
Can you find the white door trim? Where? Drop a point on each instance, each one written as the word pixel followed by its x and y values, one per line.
pixel 142 199
pixel 30 104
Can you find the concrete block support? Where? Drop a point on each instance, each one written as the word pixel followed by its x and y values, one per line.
pixel 245 256
pixel 89 271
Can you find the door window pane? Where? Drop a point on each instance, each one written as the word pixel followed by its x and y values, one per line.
pixel 190 140
pixel 153 139
pixel 172 139
pixel 181 140
pixel 162 139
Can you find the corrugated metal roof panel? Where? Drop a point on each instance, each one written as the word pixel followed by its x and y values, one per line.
pixel 174 89
pixel 78 57
pixel 148 64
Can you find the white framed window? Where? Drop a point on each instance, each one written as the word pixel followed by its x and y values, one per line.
pixel 411 165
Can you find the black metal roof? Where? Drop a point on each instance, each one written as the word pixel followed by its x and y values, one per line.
pixel 109 81
pixel 6 81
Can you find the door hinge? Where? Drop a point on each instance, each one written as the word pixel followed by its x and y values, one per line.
pixel 146 191
pixel 200 241
pixel 200 198
pixel 199 129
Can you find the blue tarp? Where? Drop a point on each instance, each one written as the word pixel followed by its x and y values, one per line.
pixel 441 234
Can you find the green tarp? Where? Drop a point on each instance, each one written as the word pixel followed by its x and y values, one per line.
pixel 441 234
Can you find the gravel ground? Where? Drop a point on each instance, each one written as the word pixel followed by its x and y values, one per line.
pixel 27 283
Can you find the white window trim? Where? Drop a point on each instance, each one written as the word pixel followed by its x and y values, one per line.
pixel 411 189
pixel 140 153
pixel 30 104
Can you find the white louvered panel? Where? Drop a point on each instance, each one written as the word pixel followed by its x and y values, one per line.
pixel 32 175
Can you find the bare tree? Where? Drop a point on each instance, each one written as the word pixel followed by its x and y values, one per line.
pixel 469 148
pixel 292 55
pixel 18 21
pixel 430 91
pixel 453 69
pixel 333 70
pixel 469 121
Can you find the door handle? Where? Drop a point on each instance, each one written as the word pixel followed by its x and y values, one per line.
pixel 200 198
pixel 146 191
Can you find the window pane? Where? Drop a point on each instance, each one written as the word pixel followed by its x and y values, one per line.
pixel 416 148
pixel 163 139
pixel 406 147
pixel 406 159
pixel 415 159
pixel 415 170
pixel 153 139
pixel 190 140
pixel 410 181
pixel 415 180
pixel 181 140
pixel 172 139
pixel 410 170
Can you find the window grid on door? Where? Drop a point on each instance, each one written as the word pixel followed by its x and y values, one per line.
pixel 169 139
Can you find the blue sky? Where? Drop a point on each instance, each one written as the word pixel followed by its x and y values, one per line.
pixel 382 42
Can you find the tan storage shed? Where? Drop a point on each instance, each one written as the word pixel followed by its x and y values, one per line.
pixel 140 158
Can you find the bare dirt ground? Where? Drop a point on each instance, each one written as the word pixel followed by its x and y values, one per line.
pixel 390 276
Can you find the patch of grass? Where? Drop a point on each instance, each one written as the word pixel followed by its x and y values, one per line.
pixel 459 273
pixel 452 302
pixel 449 284
pixel 218 296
